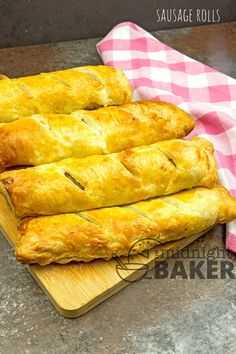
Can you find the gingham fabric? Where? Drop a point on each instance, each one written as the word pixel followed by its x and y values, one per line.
pixel 158 72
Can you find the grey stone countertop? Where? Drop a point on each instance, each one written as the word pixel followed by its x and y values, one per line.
pixel 149 316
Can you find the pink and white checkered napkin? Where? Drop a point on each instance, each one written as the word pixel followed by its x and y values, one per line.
pixel 158 72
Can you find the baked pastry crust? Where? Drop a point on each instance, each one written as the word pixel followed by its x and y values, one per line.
pixel 109 232
pixel 46 138
pixel 97 181
pixel 63 91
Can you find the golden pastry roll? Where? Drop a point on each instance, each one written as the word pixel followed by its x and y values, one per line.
pixel 63 91
pixel 108 232
pixel 97 181
pixel 48 138
pixel 4 77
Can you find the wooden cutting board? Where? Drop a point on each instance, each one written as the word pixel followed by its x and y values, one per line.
pixel 76 288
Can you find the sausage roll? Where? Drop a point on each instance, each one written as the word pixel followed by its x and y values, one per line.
pixel 97 181
pixel 48 138
pixel 63 91
pixel 109 232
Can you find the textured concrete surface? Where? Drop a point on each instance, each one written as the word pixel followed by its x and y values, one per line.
pixel 179 316
pixel 213 45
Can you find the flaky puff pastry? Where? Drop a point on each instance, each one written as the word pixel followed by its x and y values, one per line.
pixel 63 91
pixel 97 181
pixel 48 138
pixel 115 231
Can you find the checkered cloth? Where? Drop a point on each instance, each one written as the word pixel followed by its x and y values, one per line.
pixel 158 72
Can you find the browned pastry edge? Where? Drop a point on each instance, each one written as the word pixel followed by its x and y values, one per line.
pixel 63 91
pixel 114 231
pixel 46 138
pixel 74 185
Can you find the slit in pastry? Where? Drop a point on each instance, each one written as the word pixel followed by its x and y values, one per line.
pixel 74 180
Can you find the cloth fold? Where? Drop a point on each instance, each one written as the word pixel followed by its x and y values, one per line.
pixel 159 72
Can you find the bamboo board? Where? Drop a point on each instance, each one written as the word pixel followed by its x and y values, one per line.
pixel 76 288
